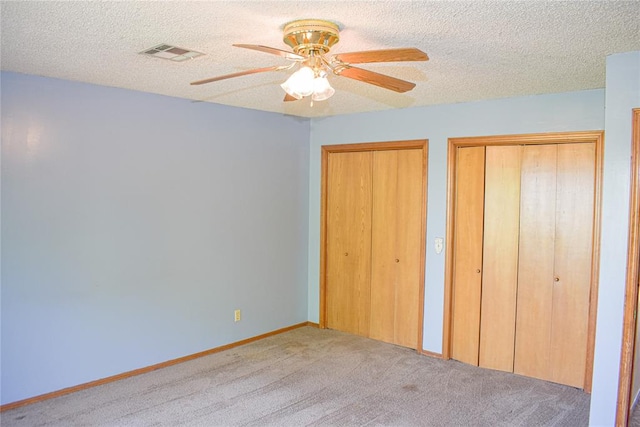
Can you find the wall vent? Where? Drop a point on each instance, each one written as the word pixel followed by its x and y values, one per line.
pixel 171 53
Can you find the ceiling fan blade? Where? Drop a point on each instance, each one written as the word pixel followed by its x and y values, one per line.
pixel 377 79
pixel 288 98
pixel 238 74
pixel 271 50
pixel 385 55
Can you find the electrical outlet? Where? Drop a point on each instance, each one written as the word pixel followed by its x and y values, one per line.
pixel 439 244
pixel 237 316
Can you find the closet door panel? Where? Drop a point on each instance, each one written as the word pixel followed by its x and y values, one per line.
pixel 500 256
pixel 349 242
pixel 536 261
pixel 467 257
pixel 383 245
pixel 573 249
pixel 408 250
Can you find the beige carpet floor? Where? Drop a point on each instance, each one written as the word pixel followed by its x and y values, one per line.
pixel 634 417
pixel 310 376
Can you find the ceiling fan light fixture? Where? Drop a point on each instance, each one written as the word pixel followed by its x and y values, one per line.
pixel 322 90
pixel 311 40
pixel 300 83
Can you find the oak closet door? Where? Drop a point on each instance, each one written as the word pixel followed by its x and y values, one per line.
pixel 383 245
pixel 500 256
pixel 556 233
pixel 396 238
pixel 408 246
pixel 573 250
pixel 467 257
pixel 349 241
pixel 535 270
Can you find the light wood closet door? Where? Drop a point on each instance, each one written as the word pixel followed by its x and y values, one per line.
pixel 395 251
pixel 383 245
pixel 408 246
pixel 467 257
pixel 535 271
pixel 500 256
pixel 573 250
pixel 348 244
pixel 554 272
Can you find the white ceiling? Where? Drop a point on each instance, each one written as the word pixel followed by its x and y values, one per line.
pixel 477 49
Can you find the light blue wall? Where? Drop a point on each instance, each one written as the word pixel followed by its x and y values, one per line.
pixel 622 95
pixel 573 111
pixel 134 224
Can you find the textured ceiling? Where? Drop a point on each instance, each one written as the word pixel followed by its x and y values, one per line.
pixel 478 50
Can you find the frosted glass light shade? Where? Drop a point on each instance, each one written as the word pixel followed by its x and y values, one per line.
pixel 300 83
pixel 322 89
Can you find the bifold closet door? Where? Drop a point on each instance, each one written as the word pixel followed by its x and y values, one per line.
pixel 554 273
pixel 500 256
pixel 535 271
pixel 395 248
pixel 411 200
pixel 573 259
pixel 486 255
pixel 467 257
pixel 348 244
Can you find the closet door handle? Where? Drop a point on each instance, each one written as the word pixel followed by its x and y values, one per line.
pixel 477 270
pixel 346 254
pixel 397 260
pixel 556 279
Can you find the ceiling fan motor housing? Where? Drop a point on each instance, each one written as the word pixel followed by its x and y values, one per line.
pixel 311 35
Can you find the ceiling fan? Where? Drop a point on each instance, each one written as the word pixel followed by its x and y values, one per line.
pixel 311 40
